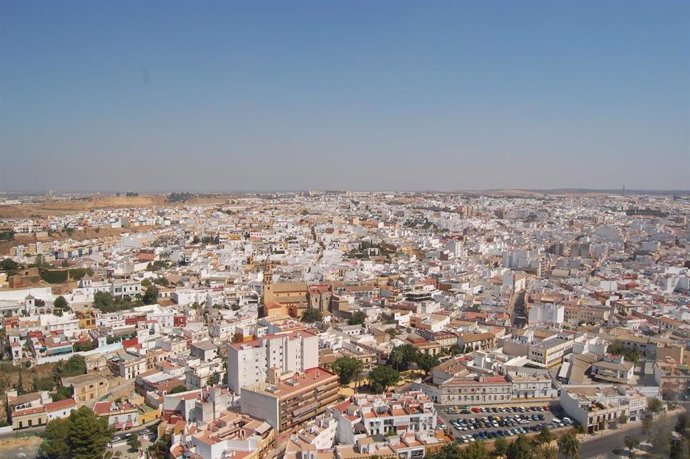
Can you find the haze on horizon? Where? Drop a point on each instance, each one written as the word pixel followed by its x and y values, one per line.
pixel 409 95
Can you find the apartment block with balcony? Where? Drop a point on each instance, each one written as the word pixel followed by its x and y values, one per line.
pixel 287 401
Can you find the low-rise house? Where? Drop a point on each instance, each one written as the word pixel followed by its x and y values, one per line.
pixel 121 416
pixel 87 387
pixel 593 407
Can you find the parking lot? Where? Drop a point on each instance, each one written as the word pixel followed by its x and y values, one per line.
pixel 487 423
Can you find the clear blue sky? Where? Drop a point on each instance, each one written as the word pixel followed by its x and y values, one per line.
pixel 380 94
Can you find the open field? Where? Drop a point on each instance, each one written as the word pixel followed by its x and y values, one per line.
pixel 48 208
pixel 26 447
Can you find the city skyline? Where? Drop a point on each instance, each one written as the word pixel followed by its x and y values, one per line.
pixel 169 96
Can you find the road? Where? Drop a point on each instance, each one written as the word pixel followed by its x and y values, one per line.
pixel 604 446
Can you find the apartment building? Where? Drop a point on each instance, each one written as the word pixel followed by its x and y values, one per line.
pixel 550 352
pixel 291 400
pixel 249 362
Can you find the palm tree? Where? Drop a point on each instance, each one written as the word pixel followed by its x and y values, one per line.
pixel 569 445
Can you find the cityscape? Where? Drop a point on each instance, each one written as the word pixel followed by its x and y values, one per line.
pixel 349 324
pixel 363 229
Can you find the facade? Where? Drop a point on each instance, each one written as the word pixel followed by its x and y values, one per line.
pixel 388 414
pixel 593 407
pixel 550 352
pixel 249 362
pixel 88 387
pixel 285 403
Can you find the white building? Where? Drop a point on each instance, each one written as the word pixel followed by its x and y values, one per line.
pixel 248 363
pixel 550 313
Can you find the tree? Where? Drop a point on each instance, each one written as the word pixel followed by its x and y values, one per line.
pixel 312 315
pixel 426 362
pixel 61 303
pixel 647 424
pixel 146 282
pixel 392 332
pixel 520 448
pixel 501 446
pixel 402 357
pixel 569 445
pixel 383 377
pixel 177 389
pixel 55 440
pixel 62 393
pixel 475 450
pixel 74 366
pixel 134 442
pixel 622 419
pixel 8 264
pixel 159 450
pixel 347 368
pixel 683 423
pixel 151 295
pixel 631 443
pixel 357 318
pixel 82 435
pixel 544 436
pixel 655 406
pixel 546 451
pixel 104 302
pixel 89 434
pixel 213 379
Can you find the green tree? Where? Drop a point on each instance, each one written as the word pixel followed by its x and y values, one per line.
pixel 569 445
pixel 62 393
pixel 74 366
pixel 544 436
pixel 426 362
pixel 312 315
pixel 682 423
pixel 392 332
pixel 146 282
pixel 213 379
pixel 177 389
pixel 475 450
pixel 631 443
pixel 104 302
pixel 56 440
pixel 622 419
pixel 383 377
pixel 647 424
pixel 8 264
pixel 347 368
pixel 680 448
pixel 655 405
pixel 546 451
pixel 134 442
pixel 159 450
pixel 501 446
pixel 357 318
pixel 61 303
pixel 89 434
pixel 520 448
pixel 402 357
pixel 151 295
pixel 448 451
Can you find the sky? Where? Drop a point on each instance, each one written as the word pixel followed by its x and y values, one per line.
pixel 154 96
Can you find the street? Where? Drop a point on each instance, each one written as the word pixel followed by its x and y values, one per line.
pixel 604 446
